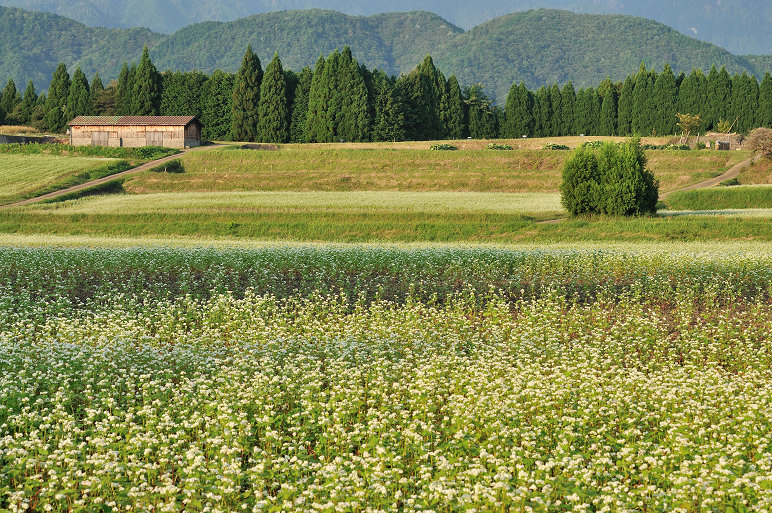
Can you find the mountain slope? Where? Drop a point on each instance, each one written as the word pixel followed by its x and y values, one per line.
pixel 31 45
pixel 742 26
pixel 538 47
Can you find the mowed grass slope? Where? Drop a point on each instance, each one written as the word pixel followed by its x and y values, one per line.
pixel 22 175
pixel 326 168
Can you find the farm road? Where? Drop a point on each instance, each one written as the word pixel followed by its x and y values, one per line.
pixel 75 188
pixel 732 172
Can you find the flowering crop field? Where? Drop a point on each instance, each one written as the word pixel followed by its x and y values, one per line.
pixel 363 378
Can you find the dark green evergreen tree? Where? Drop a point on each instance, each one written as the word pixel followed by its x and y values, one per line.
pixel 765 101
pixel 351 118
pixel 300 106
pixel 643 107
pixel 567 103
pixel 665 97
pixel 519 112
pixel 422 100
pixel 691 94
pixel 625 108
pixel 56 100
pixel 146 88
pixel 79 98
pixel 97 91
pixel 482 118
pixel 556 107
pixel 608 113
pixel 123 92
pixel 273 110
pixel 28 102
pixel 719 90
pixel 246 98
pixel 389 122
pixel 317 127
pixel 744 103
pixel 9 101
pixel 455 121
pixel 542 113
pixel 217 106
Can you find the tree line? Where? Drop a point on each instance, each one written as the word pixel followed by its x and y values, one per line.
pixel 341 100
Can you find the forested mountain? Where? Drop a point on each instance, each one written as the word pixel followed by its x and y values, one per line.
pixel 32 43
pixel 537 47
pixel 741 26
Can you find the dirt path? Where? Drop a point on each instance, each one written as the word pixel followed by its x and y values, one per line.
pixel 75 188
pixel 732 172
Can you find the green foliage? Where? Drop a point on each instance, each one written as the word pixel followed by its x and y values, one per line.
pixel 146 92
pixel 455 127
pixel 273 112
pixel 613 181
pixel 498 146
pixel 9 100
pixel 246 98
pixel 175 166
pixel 389 123
pixel 518 111
pixel 217 106
pixel 56 101
pixel 556 146
pixel 442 147
pixel 482 118
pixel 28 103
pixel 736 197
pixel 79 98
pixel 300 107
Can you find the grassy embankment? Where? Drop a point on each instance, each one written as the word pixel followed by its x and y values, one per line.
pixel 32 170
pixel 370 192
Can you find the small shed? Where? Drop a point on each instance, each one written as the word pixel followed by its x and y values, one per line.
pixel 135 131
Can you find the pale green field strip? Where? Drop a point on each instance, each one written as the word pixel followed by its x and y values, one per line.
pixel 731 212
pixel 710 250
pixel 357 201
pixel 20 174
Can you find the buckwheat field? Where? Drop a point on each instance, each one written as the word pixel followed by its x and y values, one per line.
pixel 366 378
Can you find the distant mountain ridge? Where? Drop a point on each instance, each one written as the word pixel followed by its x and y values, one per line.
pixel 741 26
pixel 538 47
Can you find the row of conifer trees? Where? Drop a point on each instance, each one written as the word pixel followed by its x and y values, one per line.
pixel 341 100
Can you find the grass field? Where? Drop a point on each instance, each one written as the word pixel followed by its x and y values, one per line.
pixel 717 198
pixel 401 168
pixel 22 175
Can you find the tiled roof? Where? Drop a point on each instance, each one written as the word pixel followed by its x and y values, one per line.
pixel 132 120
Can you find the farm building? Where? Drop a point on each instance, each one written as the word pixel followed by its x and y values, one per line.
pixel 135 131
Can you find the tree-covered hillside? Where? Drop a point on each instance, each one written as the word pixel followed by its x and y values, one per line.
pixel 32 43
pixel 741 26
pixel 537 47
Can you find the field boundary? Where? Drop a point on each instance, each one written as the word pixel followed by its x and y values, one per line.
pixel 732 172
pixel 100 181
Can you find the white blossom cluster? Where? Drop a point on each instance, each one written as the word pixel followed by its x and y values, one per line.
pixel 320 403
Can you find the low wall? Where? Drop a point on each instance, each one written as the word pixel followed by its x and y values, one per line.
pixel 26 139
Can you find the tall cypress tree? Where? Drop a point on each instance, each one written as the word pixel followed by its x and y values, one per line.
pixel 123 93
pixel 625 108
pixel 556 107
pixel 665 96
pixel 9 99
pixel 608 113
pixel 642 120
pixel 317 129
pixel 217 106
pixel 351 120
pixel 79 98
pixel 542 113
pixel 56 100
pixel 765 101
pixel 691 94
pixel 567 103
pixel 389 122
pixel 719 90
pixel 28 102
pixel 273 111
pixel 146 88
pixel 482 119
pixel 97 91
pixel 455 121
pixel 744 102
pixel 246 98
pixel 422 100
pixel 300 106
pixel 518 112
